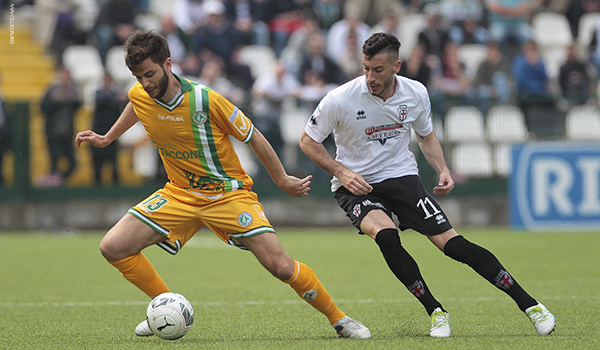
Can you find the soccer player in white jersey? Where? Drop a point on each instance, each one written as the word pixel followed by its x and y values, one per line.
pixel 375 175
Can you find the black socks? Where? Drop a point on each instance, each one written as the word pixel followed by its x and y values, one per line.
pixel 405 268
pixel 488 266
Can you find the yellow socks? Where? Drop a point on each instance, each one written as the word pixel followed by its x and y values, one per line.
pixel 138 270
pixel 306 283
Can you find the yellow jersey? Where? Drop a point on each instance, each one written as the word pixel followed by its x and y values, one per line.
pixel 192 137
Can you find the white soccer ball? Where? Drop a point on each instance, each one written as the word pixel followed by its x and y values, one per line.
pixel 170 316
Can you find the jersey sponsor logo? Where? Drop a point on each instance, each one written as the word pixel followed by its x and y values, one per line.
pixel 199 117
pixel 203 182
pixel 185 154
pixel 402 112
pixel 245 219
pixel 382 133
pixel 241 123
pixel 360 115
pixel 170 118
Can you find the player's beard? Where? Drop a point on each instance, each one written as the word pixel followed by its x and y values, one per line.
pixel 383 87
pixel 163 83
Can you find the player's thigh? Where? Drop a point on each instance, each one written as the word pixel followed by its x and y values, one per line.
pixel 128 237
pixel 375 221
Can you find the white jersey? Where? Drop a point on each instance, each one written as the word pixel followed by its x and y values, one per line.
pixel 371 135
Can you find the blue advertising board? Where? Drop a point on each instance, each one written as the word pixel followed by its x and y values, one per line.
pixel 555 186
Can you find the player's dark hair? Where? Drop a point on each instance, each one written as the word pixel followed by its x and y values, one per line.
pixel 381 42
pixel 143 44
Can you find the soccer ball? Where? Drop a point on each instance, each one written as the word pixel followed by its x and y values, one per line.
pixel 170 316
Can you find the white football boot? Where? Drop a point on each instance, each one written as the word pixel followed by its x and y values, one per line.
pixel 349 328
pixel 543 321
pixel 143 329
pixel 440 324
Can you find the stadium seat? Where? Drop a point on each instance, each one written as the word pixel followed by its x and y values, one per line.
pixel 83 62
pixel 587 24
pixel 411 25
pixel 502 159
pixel 261 59
pixel 464 123
pixel 472 55
pixel 472 159
pixel 116 67
pixel 554 57
pixel 506 124
pixel 583 123
pixel 551 29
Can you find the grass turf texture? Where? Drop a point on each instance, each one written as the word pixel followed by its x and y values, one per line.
pixel 58 293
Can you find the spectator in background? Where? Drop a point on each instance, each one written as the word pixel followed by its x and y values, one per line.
pixel 114 24
pixel 492 84
pixel 109 102
pixel 59 105
pixel 466 21
pixel 576 9
pixel 218 39
pixel 5 136
pixel 297 44
pixel 327 12
pixel 317 60
pixel 574 78
pixel 58 27
pixel 434 37
pixel 414 67
pixel 389 23
pixel 188 16
pixel 508 21
pixel 270 90
pixel 250 19
pixel 594 49
pixel 212 76
pixel 177 46
pixel 451 86
pixel 351 61
pixel 371 12
pixel 533 94
pixel 529 71
pixel 337 36
pixel 313 90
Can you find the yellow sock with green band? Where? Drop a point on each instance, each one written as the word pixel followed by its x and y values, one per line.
pixel 138 270
pixel 306 283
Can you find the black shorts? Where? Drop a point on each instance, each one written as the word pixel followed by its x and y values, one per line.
pixel 403 196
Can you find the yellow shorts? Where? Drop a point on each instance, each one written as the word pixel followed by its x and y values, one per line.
pixel 178 214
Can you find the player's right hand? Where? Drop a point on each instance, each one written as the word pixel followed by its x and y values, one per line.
pixel 91 137
pixel 355 183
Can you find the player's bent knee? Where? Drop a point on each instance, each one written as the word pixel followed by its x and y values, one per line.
pixel 283 270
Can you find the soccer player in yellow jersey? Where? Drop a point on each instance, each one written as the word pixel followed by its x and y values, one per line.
pixel 190 125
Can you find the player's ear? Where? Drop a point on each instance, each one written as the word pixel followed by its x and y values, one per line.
pixel 168 64
pixel 397 66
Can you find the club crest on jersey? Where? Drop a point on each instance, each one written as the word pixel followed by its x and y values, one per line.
pixel 402 112
pixel 200 117
pixel 245 219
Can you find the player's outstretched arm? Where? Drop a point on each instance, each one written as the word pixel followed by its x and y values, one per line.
pixel 291 185
pixel 127 119
pixel 352 181
pixel 432 150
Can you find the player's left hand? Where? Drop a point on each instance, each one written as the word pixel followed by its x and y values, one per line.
pixel 445 184
pixel 294 186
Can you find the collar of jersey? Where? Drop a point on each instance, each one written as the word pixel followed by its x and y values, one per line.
pixel 365 87
pixel 185 86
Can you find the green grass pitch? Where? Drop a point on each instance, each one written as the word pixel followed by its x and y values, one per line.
pixel 57 292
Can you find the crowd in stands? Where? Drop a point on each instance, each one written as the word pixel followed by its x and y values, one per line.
pixel 317 46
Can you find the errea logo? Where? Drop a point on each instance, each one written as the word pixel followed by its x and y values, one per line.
pixel 170 118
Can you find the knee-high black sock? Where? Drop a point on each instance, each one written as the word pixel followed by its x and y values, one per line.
pixel 405 268
pixel 487 265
